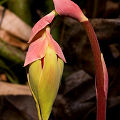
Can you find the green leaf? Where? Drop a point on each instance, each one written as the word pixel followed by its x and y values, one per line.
pixel 22 9
pixel 3 1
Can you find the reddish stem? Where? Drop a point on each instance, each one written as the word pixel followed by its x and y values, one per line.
pixel 101 101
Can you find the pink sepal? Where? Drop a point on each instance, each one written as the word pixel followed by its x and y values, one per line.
pixel 105 76
pixel 36 51
pixel 54 45
pixel 69 8
pixel 41 24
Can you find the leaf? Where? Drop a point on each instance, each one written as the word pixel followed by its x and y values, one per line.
pixel 3 1
pixel 22 9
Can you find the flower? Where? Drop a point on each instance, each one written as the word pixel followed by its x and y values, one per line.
pixel 46 61
pixel 69 8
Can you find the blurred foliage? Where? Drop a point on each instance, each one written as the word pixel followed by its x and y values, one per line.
pixel 3 1
pixel 10 53
pixel 10 75
pixel 22 9
pixel 13 61
pixel 49 5
pixel 55 29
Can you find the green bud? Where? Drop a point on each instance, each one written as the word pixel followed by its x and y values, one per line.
pixel 44 80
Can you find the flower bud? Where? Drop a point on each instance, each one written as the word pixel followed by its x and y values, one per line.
pixel 44 78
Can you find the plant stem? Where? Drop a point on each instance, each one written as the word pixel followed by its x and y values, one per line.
pixel 101 100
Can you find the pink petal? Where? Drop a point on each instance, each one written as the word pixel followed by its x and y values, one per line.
pixel 105 76
pixel 36 51
pixel 69 8
pixel 41 24
pixel 53 44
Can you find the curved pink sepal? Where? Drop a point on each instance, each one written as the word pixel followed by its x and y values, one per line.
pixel 53 44
pixel 36 51
pixel 105 76
pixel 41 24
pixel 69 8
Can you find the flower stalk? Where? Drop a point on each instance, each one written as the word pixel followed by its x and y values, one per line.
pixel 69 8
pixel 101 98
